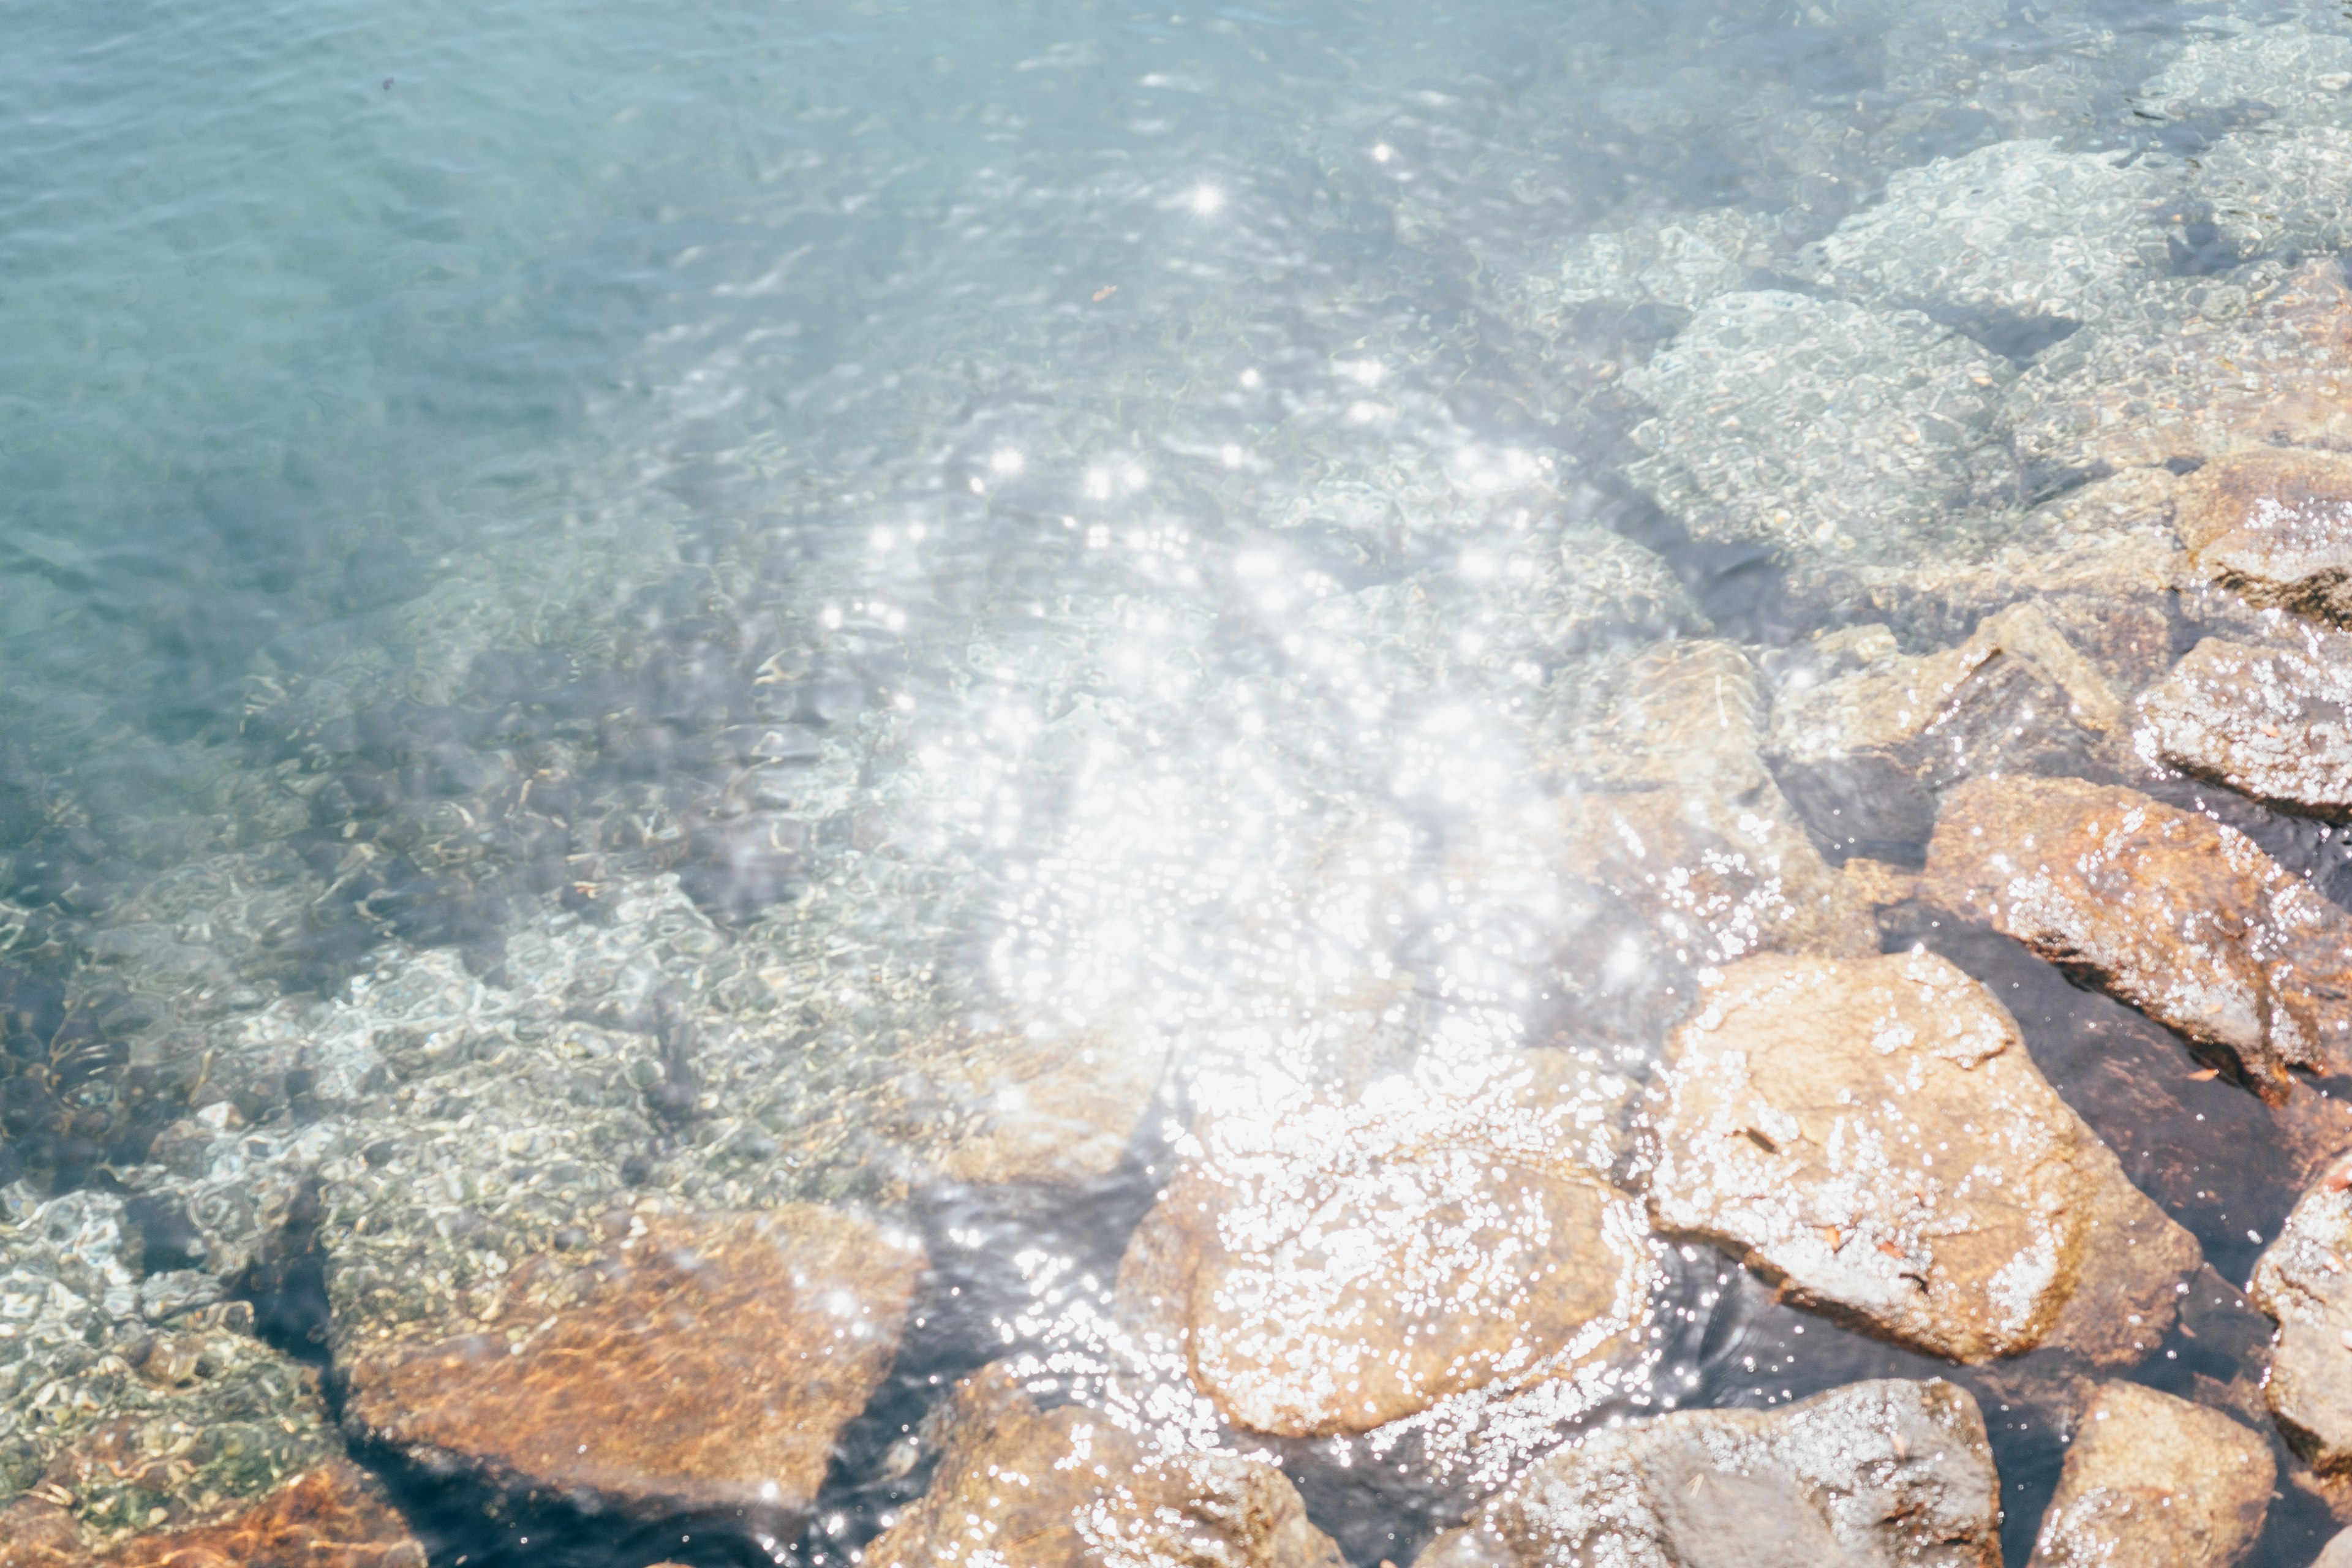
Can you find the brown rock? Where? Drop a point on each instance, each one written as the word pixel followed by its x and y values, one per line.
pixel 1322 1266
pixel 2336 1553
pixel 2165 910
pixel 2302 1281
pixel 703 1362
pixel 1044 1106
pixel 1072 1489
pixel 1670 807
pixel 1878 1474
pixel 2275 526
pixel 1870 1136
pixel 1862 756
pixel 330 1516
pixel 2276 374
pixel 2152 1481
pixel 2272 722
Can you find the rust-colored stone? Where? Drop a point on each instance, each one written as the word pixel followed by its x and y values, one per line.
pixel 2169 910
pixel 1326 1267
pixel 331 1516
pixel 708 1362
pixel 1870 1136
pixel 1072 1489
pixel 2152 1481
pixel 2274 525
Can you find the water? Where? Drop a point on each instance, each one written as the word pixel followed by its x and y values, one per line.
pixel 1038 517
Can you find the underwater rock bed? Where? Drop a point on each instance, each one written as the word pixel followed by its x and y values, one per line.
pixel 1762 1052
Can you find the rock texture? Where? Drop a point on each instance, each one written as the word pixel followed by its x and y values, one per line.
pixel 2144 392
pixel 1881 1473
pixel 1872 1137
pixel 2276 526
pixel 1322 1266
pixel 2008 235
pixel 1864 756
pixel 330 1516
pixel 1824 429
pixel 2152 1481
pixel 2170 911
pixel 1071 1488
pixel 2272 722
pixel 695 1361
pixel 1671 806
pixel 2303 1281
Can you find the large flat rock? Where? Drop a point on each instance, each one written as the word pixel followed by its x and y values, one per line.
pixel 1872 1137
pixel 1875 1474
pixel 329 1515
pixel 1070 1487
pixel 2151 1481
pixel 1324 1265
pixel 691 1361
pixel 2167 910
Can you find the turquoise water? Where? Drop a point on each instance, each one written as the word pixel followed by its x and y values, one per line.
pixel 473 388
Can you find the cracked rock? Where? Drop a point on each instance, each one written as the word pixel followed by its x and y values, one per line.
pixel 1881 1473
pixel 2269 722
pixel 1018 1488
pixel 1864 756
pixel 2151 1481
pixel 2165 910
pixel 1872 1137
pixel 1826 430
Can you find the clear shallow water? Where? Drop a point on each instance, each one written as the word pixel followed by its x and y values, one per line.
pixel 1146 433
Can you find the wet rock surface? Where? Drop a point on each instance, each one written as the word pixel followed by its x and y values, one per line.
pixel 1323 1268
pixel 2181 917
pixel 2274 526
pixel 1885 1472
pixel 2301 1281
pixel 1871 1137
pixel 2156 1480
pixel 330 1516
pixel 1768 401
pixel 1674 810
pixel 1069 1488
pixel 696 1363
pixel 2268 723
pixel 1864 756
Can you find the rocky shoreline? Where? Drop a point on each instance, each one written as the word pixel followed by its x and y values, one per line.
pixel 568 1077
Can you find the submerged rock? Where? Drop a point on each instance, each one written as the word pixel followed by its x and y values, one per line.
pixel 2152 1481
pixel 1320 1266
pixel 1880 1473
pixel 2167 910
pixel 1872 1137
pixel 2304 1282
pixel 2274 526
pixel 1070 1487
pixel 2298 76
pixel 329 1515
pixel 2201 368
pixel 1821 428
pixel 1864 756
pixel 2271 189
pixel 1671 808
pixel 2272 722
pixel 2014 242
pixel 693 1363
pixel 1680 259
